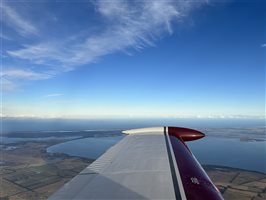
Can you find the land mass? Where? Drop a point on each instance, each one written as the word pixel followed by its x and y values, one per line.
pixel 27 171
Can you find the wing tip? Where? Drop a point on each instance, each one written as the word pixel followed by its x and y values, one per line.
pixel 186 134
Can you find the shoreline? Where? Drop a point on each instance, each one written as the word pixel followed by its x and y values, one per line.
pixel 38 174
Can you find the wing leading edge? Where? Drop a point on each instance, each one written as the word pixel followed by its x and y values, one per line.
pixel 149 163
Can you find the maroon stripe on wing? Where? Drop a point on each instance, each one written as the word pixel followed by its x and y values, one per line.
pixel 196 183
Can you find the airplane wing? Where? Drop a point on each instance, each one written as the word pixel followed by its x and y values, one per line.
pixel 149 163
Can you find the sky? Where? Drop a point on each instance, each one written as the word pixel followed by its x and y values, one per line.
pixel 120 59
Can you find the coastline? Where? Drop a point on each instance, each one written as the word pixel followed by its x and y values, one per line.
pixel 38 174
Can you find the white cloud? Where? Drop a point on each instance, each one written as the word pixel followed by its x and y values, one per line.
pixel 15 21
pixel 7 85
pixel 263 45
pixel 54 95
pixel 14 78
pixel 41 53
pixel 4 37
pixel 130 24
pixel 26 74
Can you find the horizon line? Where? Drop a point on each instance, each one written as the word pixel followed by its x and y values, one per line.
pixel 109 117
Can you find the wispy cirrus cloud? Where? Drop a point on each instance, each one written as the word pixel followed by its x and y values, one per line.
pixel 7 85
pixel 130 26
pixel 54 95
pixel 127 25
pixel 263 45
pixel 4 37
pixel 15 21
pixel 24 74
pixel 42 53
pixel 13 78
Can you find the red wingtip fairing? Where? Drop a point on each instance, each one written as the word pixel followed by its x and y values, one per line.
pixel 185 134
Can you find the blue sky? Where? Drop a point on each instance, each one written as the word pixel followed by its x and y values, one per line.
pixel 108 59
